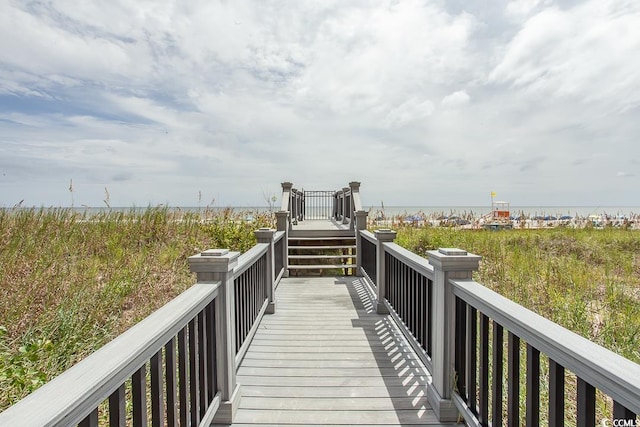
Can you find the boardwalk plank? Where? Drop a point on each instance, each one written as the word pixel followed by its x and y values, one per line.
pixel 326 358
pixel 365 403
pixel 332 392
pixel 331 417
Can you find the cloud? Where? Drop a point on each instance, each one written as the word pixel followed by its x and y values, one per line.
pixel 409 111
pixel 159 100
pixel 456 99
pixel 520 8
pixel 585 52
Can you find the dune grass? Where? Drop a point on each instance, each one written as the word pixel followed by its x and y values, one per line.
pixel 70 282
pixel 583 279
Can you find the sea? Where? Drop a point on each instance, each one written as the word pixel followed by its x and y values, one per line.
pixel 527 211
pixel 614 212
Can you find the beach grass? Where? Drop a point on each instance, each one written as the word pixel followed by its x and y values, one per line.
pixel 587 280
pixel 70 281
pixel 583 279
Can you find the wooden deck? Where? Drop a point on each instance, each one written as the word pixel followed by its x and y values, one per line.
pixel 320 227
pixel 326 358
pixel 320 224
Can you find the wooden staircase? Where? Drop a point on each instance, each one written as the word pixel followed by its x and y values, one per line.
pixel 322 252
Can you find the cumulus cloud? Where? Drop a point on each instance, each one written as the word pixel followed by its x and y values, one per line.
pixel 586 52
pixel 152 99
pixel 408 112
pixel 520 8
pixel 456 99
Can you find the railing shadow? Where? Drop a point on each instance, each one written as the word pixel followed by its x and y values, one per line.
pixel 404 375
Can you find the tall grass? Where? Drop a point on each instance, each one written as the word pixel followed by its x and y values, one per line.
pixel 583 279
pixel 70 282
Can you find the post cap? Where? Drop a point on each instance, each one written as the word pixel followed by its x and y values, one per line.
pixel 214 252
pixel 453 259
pixel 264 233
pixel 213 261
pixel 452 251
pixel 385 235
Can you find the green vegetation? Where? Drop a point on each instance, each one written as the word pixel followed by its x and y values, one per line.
pixel 583 279
pixel 70 282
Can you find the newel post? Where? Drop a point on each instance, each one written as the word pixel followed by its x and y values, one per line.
pixel 345 207
pixel 382 236
pixel 448 263
pixel 215 265
pixel 361 224
pixel 355 192
pixel 265 235
pixel 282 224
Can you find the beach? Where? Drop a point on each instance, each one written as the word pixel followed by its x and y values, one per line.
pixel 475 217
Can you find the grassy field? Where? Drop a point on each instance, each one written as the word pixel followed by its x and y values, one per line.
pixel 69 283
pixel 587 280
pixel 583 279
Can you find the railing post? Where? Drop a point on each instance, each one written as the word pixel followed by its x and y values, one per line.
pixel 448 263
pixel 361 224
pixel 282 224
pixel 355 194
pixel 382 236
pixel 211 266
pixel 265 235
pixel 345 208
pixel 285 204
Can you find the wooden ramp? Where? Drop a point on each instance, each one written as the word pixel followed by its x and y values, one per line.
pixel 326 358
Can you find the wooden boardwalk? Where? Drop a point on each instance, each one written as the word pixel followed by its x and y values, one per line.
pixel 326 358
pixel 320 224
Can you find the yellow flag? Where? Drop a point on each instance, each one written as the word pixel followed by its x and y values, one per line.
pixel 493 194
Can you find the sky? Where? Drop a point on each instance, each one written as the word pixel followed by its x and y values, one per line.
pixel 426 103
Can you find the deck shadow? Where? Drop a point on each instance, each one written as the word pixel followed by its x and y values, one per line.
pixel 327 358
pixel 397 360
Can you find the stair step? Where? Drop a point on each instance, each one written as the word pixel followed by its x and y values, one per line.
pixel 323 238
pixel 323 247
pixel 322 257
pixel 319 266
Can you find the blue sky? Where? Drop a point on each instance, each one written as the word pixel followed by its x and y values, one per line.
pixel 439 102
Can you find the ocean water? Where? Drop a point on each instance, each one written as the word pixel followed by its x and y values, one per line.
pixel 428 211
pixel 529 211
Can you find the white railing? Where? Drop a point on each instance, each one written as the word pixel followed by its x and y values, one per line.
pixel 344 205
pixel 595 368
pixel 192 345
pixel 448 319
pixel 74 397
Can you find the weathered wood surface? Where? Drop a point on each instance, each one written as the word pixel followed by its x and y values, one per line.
pixel 326 358
pixel 320 224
